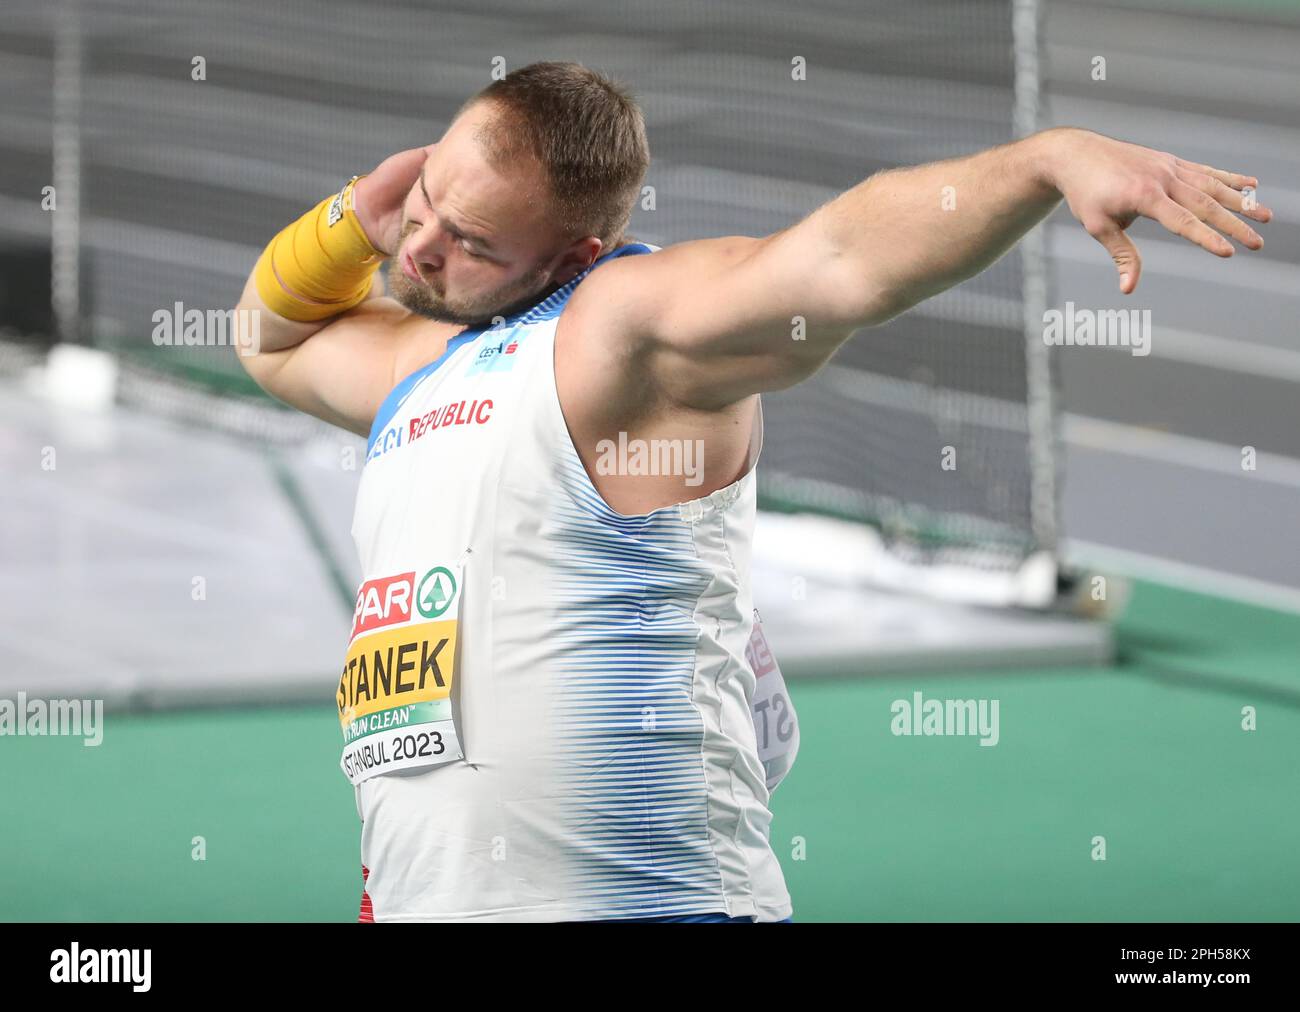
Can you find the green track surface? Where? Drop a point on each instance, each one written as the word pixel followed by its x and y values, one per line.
pixel 1200 817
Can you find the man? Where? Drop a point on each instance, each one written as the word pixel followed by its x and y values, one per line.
pixel 547 705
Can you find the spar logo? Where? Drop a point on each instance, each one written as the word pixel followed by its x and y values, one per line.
pixel 388 600
pixel 436 592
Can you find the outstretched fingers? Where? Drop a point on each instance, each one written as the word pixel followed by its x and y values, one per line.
pixel 1233 179
pixel 1233 200
pixel 1214 214
pixel 1181 220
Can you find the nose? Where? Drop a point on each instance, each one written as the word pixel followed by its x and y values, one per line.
pixel 425 246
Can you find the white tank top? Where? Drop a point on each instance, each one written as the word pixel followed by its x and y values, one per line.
pixel 547 704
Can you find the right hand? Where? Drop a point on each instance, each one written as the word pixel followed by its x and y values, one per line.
pixel 378 197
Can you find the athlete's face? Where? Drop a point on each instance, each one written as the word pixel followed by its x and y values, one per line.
pixel 477 243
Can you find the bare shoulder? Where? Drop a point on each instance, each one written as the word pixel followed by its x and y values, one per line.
pixel 595 358
pixel 627 289
pixel 626 331
pixel 608 369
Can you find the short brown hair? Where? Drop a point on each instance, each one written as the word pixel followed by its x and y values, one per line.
pixel 587 133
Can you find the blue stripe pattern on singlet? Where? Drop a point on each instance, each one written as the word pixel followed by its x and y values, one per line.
pixel 693 919
pixel 624 591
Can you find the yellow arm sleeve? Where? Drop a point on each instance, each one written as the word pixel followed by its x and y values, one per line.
pixel 319 266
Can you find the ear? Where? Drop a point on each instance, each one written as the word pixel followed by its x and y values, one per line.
pixel 578 257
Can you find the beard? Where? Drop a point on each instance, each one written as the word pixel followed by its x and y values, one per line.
pixel 433 304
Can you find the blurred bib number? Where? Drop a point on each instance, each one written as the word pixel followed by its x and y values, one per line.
pixel 776 725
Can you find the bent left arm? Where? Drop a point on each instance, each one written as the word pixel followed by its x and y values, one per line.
pixel 713 321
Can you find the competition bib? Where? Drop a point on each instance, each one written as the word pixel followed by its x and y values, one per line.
pixel 775 724
pixel 394 696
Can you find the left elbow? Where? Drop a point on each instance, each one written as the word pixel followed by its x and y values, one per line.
pixel 853 295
